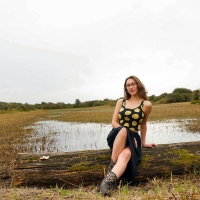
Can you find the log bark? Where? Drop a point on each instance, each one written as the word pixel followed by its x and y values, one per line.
pixel 72 169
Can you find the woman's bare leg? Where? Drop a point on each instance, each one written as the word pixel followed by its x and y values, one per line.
pixel 122 162
pixel 121 156
pixel 119 144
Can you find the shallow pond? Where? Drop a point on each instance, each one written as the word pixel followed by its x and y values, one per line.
pixel 56 136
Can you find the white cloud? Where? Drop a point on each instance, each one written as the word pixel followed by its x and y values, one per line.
pixel 185 11
pixel 156 6
pixel 63 14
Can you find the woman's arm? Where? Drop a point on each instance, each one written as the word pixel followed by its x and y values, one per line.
pixel 115 123
pixel 143 129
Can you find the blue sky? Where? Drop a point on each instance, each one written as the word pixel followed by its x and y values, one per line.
pixel 58 51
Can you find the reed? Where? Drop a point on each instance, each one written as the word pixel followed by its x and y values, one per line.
pixel 12 133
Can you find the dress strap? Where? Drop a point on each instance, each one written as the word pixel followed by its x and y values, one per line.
pixel 123 102
pixel 142 103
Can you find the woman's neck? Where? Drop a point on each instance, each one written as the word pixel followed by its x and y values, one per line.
pixel 135 98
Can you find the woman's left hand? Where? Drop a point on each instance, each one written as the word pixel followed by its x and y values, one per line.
pixel 151 145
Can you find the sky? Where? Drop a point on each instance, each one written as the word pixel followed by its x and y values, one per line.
pixel 63 50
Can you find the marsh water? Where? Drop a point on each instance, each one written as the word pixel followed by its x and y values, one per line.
pixel 57 136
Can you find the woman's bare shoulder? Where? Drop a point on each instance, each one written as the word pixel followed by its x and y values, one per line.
pixel 119 102
pixel 147 104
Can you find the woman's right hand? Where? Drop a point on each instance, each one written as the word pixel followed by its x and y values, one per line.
pixel 151 145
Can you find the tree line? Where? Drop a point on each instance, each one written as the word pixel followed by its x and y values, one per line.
pixel 178 95
pixel 4 106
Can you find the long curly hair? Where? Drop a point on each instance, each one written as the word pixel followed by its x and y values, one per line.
pixel 141 88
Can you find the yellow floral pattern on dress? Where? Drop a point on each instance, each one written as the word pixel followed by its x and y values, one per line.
pixel 121 109
pixel 127 118
pixel 135 116
pixel 127 112
pixel 132 129
pixel 137 110
pixel 131 118
pixel 126 124
pixel 134 123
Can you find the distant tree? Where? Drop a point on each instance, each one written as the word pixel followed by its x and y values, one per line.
pixel 109 102
pixel 160 98
pixel 77 103
pixel 90 103
pixel 182 90
pixel 176 97
pixel 60 105
pixel 187 97
pixel 4 106
pixel 163 95
pixel 196 95
pixel 152 98
pixel 173 98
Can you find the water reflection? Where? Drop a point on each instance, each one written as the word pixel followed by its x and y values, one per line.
pixel 54 136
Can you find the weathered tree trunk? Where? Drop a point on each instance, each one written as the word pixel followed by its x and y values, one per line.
pixel 71 169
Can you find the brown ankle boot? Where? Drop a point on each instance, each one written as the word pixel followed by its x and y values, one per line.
pixel 108 184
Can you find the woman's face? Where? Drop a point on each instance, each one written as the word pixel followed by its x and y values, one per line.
pixel 131 86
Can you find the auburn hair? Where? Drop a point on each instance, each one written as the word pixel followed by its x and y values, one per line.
pixel 141 88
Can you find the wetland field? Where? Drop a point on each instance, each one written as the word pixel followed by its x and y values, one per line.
pixel 43 131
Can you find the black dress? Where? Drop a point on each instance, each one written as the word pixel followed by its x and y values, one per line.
pixel 131 120
pixel 136 155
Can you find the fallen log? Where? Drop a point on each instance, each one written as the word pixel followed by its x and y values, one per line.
pixel 71 169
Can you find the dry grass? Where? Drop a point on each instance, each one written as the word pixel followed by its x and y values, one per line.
pixel 176 111
pixel 179 188
pixel 13 134
pixel 94 114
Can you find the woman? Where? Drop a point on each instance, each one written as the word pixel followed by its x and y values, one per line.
pixel 130 116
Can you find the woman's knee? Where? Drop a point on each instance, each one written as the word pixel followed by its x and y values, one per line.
pixel 122 133
pixel 125 154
